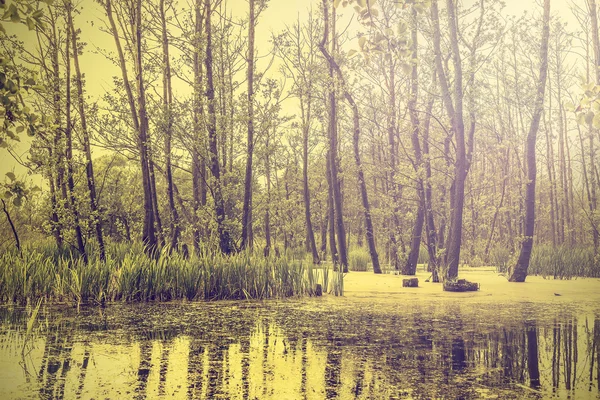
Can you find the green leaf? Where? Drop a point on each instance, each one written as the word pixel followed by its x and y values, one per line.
pixel 336 3
pixel 8 194
pixel 351 53
pixel 361 42
pixel 362 3
pixel 30 24
pixel 17 201
pixel 402 28
pixel 11 176
pixel 589 117
pixel 596 121
pixel 14 13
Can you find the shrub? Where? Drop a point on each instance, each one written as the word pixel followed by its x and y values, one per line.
pixel 358 260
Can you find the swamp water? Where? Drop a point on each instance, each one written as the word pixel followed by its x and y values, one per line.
pixel 365 347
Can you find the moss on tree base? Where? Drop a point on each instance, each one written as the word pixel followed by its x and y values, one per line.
pixel 410 282
pixel 461 285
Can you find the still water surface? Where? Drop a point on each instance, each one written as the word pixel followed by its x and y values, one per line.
pixel 312 348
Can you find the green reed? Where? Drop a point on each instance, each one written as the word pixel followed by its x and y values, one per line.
pixel 130 275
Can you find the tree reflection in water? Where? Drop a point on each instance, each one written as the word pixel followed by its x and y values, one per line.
pixel 277 353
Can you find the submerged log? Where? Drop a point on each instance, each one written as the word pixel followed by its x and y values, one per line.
pixel 410 282
pixel 461 285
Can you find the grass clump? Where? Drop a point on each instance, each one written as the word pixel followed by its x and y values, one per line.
pixel 358 260
pixel 130 275
pixel 563 262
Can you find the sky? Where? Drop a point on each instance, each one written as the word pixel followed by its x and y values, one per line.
pixel 99 71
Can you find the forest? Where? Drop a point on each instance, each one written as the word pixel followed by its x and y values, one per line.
pixel 302 162
pixel 366 134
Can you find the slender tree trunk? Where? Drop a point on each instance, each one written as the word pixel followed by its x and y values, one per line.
pixel 89 168
pixel 267 249
pixel 333 139
pixel 56 231
pixel 519 273
pixel 310 234
pixel 460 165
pixel 12 226
pixel 69 150
pixel 410 267
pixel 168 127
pixel 331 213
pixel 56 153
pixel 247 206
pixel 198 164
pixel 225 242
pixel 139 123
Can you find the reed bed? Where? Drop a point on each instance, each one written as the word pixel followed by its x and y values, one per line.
pixel 358 260
pixel 130 275
pixel 562 262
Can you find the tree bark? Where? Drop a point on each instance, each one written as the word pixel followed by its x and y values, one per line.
pixel 168 127
pixel 410 267
pixel 89 168
pixel 198 164
pixel 139 123
pixel 333 139
pixel 12 226
pixel 69 150
pixel 247 206
pixel 460 165
pixel 519 273
pixel 310 234
pixel 225 242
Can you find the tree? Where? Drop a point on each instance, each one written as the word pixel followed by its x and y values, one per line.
pixel 519 272
pixel 333 136
pixel 138 114
pixel 89 167
pixel 225 242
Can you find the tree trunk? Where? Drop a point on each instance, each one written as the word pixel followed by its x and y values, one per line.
pixel 69 149
pixel 331 212
pixel 12 226
pixel 89 168
pixel 333 139
pixel 139 124
pixel 410 267
pixel 198 165
pixel 225 242
pixel 460 165
pixel 168 127
pixel 247 206
pixel 519 273
pixel 310 234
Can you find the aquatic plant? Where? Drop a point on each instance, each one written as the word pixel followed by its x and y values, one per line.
pixel 129 275
pixel 358 260
pixel 563 262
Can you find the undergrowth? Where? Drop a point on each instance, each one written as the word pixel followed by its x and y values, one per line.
pixel 129 274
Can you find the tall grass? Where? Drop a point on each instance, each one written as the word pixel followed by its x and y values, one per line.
pixel 558 262
pixel 562 262
pixel 358 260
pixel 130 275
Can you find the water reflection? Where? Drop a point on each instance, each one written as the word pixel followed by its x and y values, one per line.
pixel 259 352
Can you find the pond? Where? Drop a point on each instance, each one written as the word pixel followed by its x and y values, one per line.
pixel 358 346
